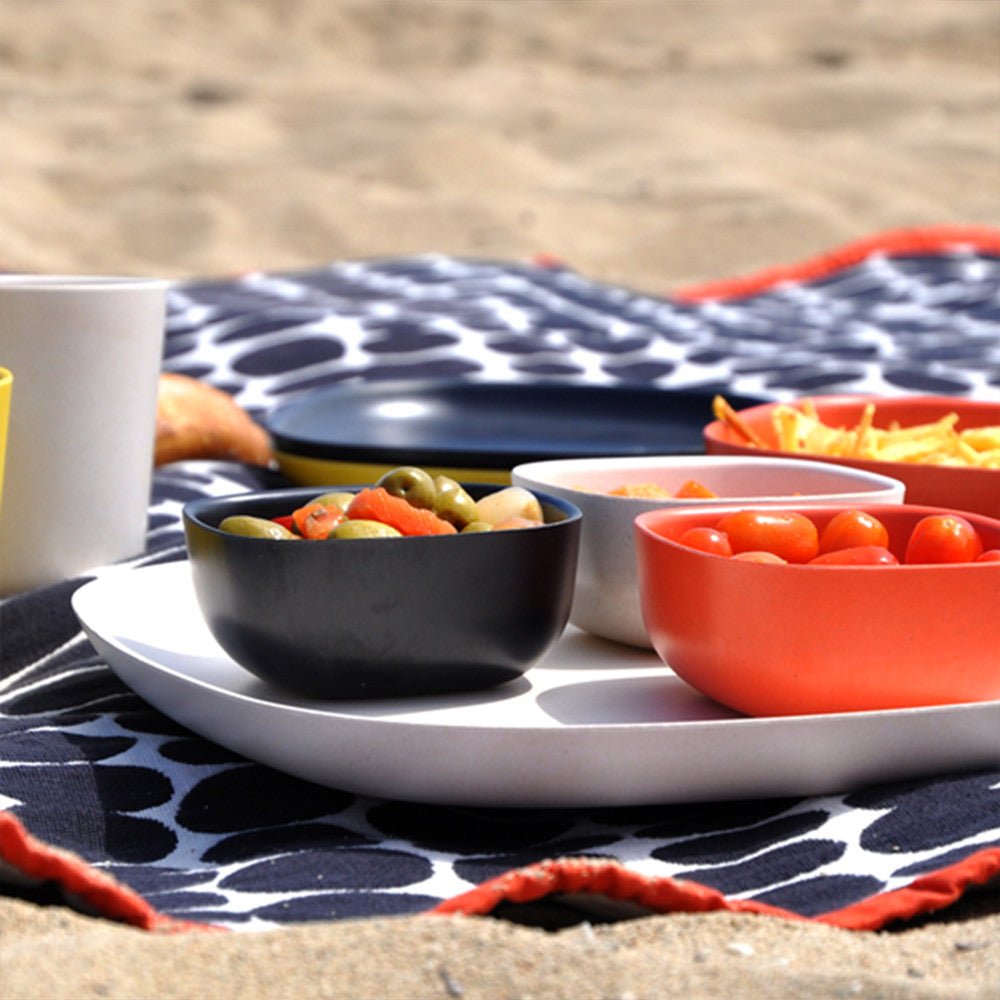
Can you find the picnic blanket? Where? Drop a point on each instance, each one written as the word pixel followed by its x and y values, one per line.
pixel 112 807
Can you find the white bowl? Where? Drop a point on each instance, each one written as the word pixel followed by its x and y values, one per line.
pixel 606 599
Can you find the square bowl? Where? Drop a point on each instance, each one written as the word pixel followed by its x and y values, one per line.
pixel 382 617
pixel 787 639
pixel 606 601
pixel 965 487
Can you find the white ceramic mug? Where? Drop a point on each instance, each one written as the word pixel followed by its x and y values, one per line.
pixel 86 353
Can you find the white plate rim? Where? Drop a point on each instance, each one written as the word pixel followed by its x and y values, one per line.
pixel 539 766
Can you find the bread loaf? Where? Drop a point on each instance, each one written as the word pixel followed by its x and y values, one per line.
pixel 197 420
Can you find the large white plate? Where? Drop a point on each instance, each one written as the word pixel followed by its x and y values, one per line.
pixel 592 724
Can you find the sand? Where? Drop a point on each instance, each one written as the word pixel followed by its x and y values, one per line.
pixel 651 144
pixel 683 955
pixel 646 142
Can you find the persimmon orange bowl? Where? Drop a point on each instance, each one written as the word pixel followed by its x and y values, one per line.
pixel 771 639
pixel 964 487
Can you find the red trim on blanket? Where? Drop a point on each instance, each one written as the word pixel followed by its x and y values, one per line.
pixel 926 894
pixel 893 243
pixel 599 877
pixel 667 895
pixel 99 892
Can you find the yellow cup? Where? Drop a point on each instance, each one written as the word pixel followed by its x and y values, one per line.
pixel 6 381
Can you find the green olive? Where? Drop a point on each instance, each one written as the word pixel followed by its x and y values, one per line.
pixel 453 503
pixel 412 484
pixel 254 527
pixel 341 500
pixel 360 528
pixel 475 526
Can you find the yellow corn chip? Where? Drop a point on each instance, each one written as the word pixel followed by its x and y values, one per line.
pixel 799 430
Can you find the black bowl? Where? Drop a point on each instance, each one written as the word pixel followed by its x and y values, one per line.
pixel 382 617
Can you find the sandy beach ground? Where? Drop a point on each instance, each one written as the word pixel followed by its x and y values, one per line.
pixel 650 143
pixel 646 142
pixel 695 957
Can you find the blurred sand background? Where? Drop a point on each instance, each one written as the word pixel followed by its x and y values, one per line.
pixel 650 143
pixel 645 142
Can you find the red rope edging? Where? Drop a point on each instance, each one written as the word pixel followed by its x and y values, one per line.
pixel 925 894
pixel 667 895
pixel 893 243
pixel 100 892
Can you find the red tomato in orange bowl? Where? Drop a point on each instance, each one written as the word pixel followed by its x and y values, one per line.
pixel 857 555
pixel 785 533
pixel 707 540
pixel 796 639
pixel 760 557
pixel 943 538
pixel 850 529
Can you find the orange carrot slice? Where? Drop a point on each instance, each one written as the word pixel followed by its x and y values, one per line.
pixel 693 490
pixel 378 504
pixel 316 520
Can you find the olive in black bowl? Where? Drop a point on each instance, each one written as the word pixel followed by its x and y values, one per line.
pixel 382 617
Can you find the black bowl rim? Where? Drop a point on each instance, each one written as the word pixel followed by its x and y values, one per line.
pixel 196 510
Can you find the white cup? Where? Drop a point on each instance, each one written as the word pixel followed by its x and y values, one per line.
pixel 86 353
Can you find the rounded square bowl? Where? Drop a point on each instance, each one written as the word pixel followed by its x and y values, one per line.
pixel 963 487
pixel 606 601
pixel 789 639
pixel 382 617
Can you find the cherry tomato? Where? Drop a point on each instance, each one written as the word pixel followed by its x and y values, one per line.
pixel 317 520
pixel 693 490
pixel 708 540
pixel 850 529
pixel 943 538
pixel 857 555
pixel 785 533
pixel 990 555
pixel 761 557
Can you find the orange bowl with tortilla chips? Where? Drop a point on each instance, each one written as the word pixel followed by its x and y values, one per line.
pixel 946 450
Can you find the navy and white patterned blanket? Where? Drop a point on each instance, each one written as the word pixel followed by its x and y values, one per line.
pixel 86 765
